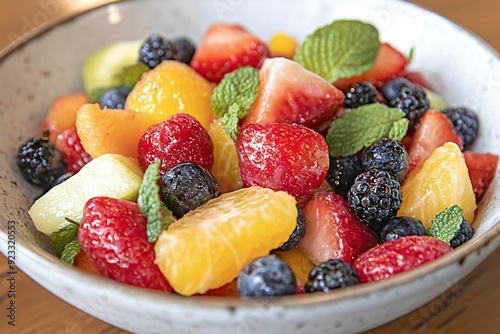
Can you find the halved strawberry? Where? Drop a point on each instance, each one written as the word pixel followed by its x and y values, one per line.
pixel 226 47
pixel 390 63
pixel 333 231
pixel 482 168
pixel 434 130
pixel 398 256
pixel 113 235
pixel 71 147
pixel 281 156
pixel 288 93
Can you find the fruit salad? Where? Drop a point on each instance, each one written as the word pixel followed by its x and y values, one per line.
pixel 241 167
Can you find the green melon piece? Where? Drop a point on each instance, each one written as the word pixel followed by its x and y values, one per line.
pixel 101 71
pixel 436 101
pixel 109 175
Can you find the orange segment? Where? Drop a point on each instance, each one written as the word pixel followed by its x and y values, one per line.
pixel 226 168
pixel 169 88
pixel 300 264
pixel 442 182
pixel 208 247
pixel 62 114
pixel 282 45
pixel 110 131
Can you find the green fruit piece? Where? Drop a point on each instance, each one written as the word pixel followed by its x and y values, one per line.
pixel 101 71
pixel 436 101
pixel 109 175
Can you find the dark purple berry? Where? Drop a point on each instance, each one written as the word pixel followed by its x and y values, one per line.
pixel 114 98
pixel 464 233
pixel 184 50
pixel 465 122
pixel 359 94
pixel 330 275
pixel 156 49
pixel 297 234
pixel 389 155
pixel 342 172
pixel 401 227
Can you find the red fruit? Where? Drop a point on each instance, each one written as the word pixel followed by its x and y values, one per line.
pixel 288 93
pixel 333 231
pixel 282 156
pixel 113 234
pixel 83 262
pixel 482 168
pixel 416 78
pixel 71 147
pixel 397 256
pixel 390 63
pixel 226 47
pixel 180 138
pixel 434 130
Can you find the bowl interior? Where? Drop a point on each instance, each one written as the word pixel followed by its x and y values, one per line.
pixel 49 65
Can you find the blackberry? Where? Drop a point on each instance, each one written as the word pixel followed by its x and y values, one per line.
pixel 184 50
pixel 266 276
pixel 359 94
pixel 114 98
pixel 342 172
pixel 401 227
pixel 375 197
pixel 464 233
pixel 40 162
pixel 297 234
pixel 465 122
pixel 156 49
pixel 330 275
pixel 389 155
pixel 186 186
pixel 411 99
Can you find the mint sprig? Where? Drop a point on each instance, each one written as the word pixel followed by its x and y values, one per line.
pixel 446 223
pixel 230 121
pixel 158 216
pixel 239 86
pixel 363 126
pixel 129 75
pixel 65 241
pixel 340 50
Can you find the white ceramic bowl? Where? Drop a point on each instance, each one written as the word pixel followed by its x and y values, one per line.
pixel 461 67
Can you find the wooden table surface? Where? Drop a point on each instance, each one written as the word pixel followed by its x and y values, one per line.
pixel 473 303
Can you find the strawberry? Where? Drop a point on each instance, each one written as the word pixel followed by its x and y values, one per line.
pixel 434 130
pixel 83 261
pixel 333 231
pixel 397 256
pixel 226 47
pixel 390 63
pixel 482 168
pixel 416 78
pixel 180 138
pixel 282 156
pixel 113 234
pixel 288 93
pixel 71 147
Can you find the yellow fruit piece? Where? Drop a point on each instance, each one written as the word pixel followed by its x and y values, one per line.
pixel 110 130
pixel 282 45
pixel 442 182
pixel 300 264
pixel 226 168
pixel 208 247
pixel 169 88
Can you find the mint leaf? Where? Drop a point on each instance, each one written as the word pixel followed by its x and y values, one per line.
pixel 446 223
pixel 70 251
pixel 159 217
pixel 230 121
pixel 363 126
pixel 239 86
pixel 129 75
pixel 340 50
pixel 64 235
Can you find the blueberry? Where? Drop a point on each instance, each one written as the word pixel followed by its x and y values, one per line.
pixel 297 234
pixel 114 98
pixel 392 88
pixel 330 275
pixel 186 186
pixel 266 276
pixel 401 227
pixel 184 50
pixel 389 155
pixel 342 172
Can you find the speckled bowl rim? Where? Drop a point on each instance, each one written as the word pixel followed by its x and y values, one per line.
pixel 459 255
